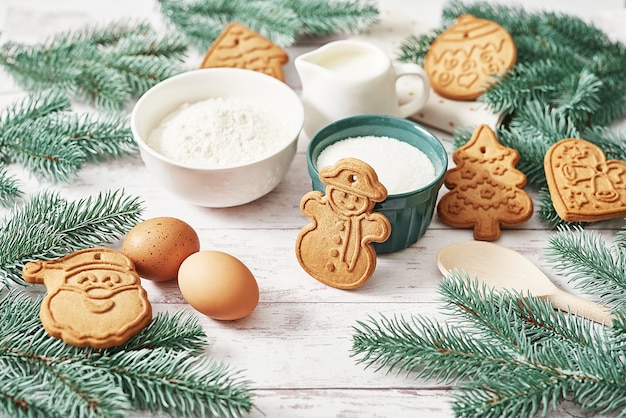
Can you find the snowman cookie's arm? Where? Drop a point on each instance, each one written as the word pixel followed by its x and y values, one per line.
pixel 376 229
pixel 310 202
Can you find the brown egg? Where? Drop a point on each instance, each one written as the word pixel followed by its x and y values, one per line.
pixel 158 246
pixel 218 285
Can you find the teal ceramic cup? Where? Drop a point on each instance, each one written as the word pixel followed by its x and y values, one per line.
pixel 409 213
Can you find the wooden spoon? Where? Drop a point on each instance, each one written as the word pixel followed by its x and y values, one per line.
pixel 503 268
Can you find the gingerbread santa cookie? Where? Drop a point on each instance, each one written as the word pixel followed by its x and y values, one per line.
pixel 485 189
pixel 463 60
pixel 240 47
pixel 335 247
pixel 583 185
pixel 94 297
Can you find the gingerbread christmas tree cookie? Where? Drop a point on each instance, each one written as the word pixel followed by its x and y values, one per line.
pixel 240 47
pixel 584 186
pixel 485 188
pixel 463 60
pixel 94 297
pixel 335 247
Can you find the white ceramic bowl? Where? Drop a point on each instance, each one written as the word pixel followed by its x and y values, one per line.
pixel 217 187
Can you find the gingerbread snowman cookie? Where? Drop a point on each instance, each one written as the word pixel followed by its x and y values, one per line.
pixel 335 247
pixel 94 297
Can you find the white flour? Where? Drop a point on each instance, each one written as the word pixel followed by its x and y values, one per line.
pixel 400 167
pixel 218 133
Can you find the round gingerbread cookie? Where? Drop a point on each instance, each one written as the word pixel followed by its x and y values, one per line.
pixel 463 60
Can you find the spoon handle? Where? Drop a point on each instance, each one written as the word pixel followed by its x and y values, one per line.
pixel 568 302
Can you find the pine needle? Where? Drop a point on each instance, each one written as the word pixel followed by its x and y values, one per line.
pixel 511 354
pixel 106 66
pixel 9 190
pixel 283 22
pixel 43 377
pixel 508 354
pixel 323 17
pixel 590 263
pixel 47 227
pixel 39 133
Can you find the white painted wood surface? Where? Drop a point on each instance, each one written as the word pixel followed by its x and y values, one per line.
pixel 295 347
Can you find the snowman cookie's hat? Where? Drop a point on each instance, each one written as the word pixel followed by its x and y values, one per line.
pixel 356 177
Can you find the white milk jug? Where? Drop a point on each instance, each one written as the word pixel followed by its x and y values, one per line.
pixel 346 78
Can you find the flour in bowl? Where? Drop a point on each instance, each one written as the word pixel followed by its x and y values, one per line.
pixel 219 132
pixel 400 167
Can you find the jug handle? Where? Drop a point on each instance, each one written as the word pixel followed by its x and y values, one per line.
pixel 417 101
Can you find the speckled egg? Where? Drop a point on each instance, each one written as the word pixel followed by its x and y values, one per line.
pixel 218 285
pixel 158 246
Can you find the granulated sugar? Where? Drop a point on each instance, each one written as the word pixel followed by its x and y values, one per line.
pixel 400 166
pixel 218 133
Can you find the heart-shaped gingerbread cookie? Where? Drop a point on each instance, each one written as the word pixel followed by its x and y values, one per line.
pixel 583 185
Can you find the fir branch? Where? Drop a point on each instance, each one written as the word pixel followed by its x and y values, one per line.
pixel 425 348
pixel 175 331
pixel 620 239
pixel 43 151
pixel 33 107
pixel 589 262
pixel 88 63
pixel 202 21
pixel 532 82
pixel 283 22
pixel 9 190
pixel 31 357
pixel 531 131
pixel 103 35
pixel 489 314
pixel 323 17
pixel 510 355
pixel 193 386
pixel 414 48
pixel 611 142
pixel 100 138
pixel 47 227
pixel 517 19
pixel 38 133
pixel 42 376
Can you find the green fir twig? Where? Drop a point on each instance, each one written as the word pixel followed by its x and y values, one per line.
pixel 501 343
pixel 48 226
pixel 511 354
pixel 106 66
pixel 283 21
pixel 9 189
pixel 324 17
pixel 39 133
pixel 588 261
pixel 163 369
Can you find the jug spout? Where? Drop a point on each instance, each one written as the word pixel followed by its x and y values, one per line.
pixel 306 67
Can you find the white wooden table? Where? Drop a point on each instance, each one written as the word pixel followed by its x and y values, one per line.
pixel 295 347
